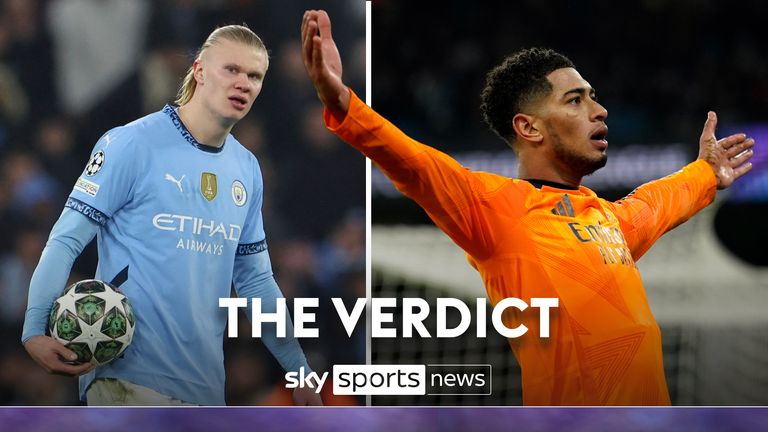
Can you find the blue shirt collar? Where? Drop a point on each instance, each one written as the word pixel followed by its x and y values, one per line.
pixel 174 115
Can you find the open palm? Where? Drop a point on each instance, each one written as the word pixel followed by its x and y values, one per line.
pixel 729 157
pixel 323 62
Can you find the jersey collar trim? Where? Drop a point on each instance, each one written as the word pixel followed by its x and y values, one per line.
pixel 539 183
pixel 174 115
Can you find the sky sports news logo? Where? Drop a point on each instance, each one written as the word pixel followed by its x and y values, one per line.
pixel 379 380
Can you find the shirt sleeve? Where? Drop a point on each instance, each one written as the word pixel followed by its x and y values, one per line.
pixel 253 238
pixel 450 193
pixel 69 236
pixel 253 279
pixel 659 206
pixel 108 180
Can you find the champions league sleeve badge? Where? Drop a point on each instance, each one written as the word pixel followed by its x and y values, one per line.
pixel 239 195
pixel 94 164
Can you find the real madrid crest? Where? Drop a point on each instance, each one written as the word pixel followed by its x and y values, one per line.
pixel 239 195
pixel 208 185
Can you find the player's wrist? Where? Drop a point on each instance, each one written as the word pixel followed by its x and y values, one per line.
pixel 338 104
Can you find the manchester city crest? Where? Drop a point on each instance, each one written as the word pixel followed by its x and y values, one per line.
pixel 239 195
pixel 208 185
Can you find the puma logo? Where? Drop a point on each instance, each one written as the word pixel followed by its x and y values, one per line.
pixel 172 179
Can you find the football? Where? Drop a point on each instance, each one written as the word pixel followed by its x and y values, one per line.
pixel 93 319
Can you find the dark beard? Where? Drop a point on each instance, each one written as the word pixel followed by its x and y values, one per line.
pixel 579 164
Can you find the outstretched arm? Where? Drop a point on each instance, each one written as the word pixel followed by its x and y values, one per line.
pixel 728 157
pixel 449 193
pixel 323 63
pixel 656 207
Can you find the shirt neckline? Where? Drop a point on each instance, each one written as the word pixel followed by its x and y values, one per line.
pixel 176 120
pixel 539 183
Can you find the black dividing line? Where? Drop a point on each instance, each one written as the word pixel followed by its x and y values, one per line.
pixel 120 278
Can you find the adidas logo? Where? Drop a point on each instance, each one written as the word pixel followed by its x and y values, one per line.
pixel 564 207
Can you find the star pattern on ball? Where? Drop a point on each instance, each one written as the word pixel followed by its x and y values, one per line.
pixel 94 320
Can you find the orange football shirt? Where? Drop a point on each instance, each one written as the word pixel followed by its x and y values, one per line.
pixel 604 346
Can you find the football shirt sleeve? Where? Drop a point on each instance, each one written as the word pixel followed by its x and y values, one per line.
pixel 108 179
pixel 659 206
pixel 450 193
pixel 253 238
pixel 69 236
pixel 253 278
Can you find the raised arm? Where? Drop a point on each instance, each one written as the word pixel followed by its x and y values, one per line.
pixel 656 207
pixel 450 194
pixel 728 157
pixel 323 63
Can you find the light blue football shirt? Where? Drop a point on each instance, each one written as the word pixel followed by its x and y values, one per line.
pixel 179 216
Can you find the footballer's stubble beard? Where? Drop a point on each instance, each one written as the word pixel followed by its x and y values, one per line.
pixel 578 163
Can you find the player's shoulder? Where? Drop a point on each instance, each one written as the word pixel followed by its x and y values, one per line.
pixel 491 178
pixel 136 136
pixel 249 170
pixel 150 124
pixel 488 183
pixel 139 128
pixel 240 152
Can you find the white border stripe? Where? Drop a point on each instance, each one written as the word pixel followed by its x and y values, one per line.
pixel 368 100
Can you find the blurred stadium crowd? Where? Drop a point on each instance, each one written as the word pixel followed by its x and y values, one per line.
pixel 657 65
pixel 72 69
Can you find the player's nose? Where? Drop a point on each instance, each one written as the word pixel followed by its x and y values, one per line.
pixel 599 113
pixel 242 83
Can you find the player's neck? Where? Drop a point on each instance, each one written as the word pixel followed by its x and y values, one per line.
pixel 545 170
pixel 206 128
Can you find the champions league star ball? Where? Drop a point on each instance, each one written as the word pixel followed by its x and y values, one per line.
pixel 93 319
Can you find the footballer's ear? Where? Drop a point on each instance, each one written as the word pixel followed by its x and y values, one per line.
pixel 526 128
pixel 197 70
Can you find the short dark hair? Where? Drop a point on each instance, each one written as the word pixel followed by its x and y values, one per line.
pixel 520 79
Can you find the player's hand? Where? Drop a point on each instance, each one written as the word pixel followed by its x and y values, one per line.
pixel 54 357
pixel 729 157
pixel 306 397
pixel 323 62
